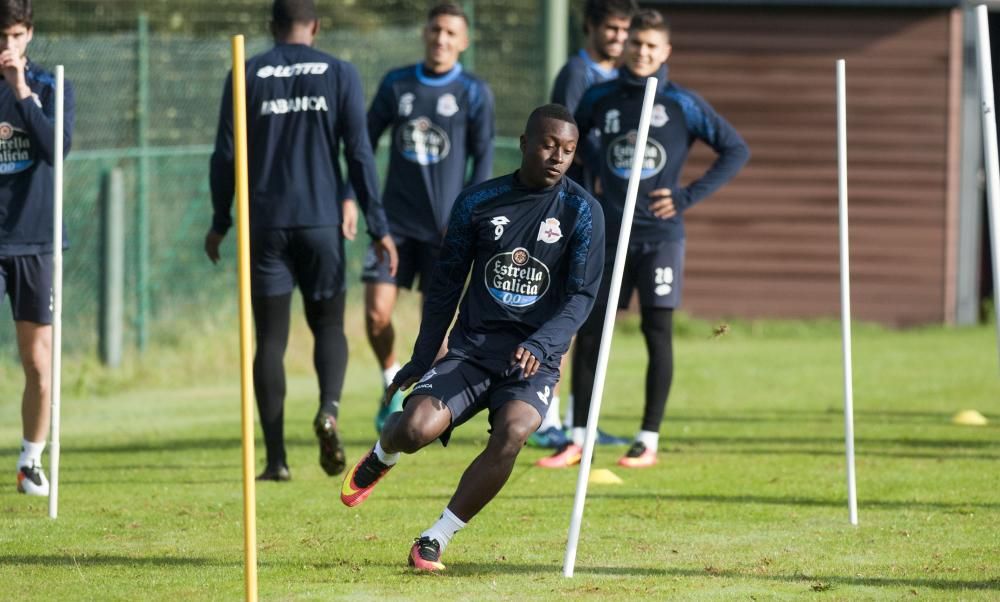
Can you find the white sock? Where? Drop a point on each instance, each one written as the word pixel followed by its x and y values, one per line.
pixel 445 528
pixel 31 453
pixel 551 415
pixel 648 438
pixel 383 456
pixel 579 434
pixel 390 373
pixel 568 422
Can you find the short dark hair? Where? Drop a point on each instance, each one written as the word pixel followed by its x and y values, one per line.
pixel 15 12
pixel 596 11
pixel 285 13
pixel 451 9
pixel 549 111
pixel 645 20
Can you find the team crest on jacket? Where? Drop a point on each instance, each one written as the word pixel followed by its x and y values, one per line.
pixel 659 117
pixel 549 231
pixel 516 279
pixel 423 142
pixel 15 149
pixel 406 104
pixel 622 149
pixel 447 105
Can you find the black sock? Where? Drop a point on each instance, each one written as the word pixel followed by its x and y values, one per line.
pixel 657 328
pixel 326 320
pixel 585 350
pixel 271 320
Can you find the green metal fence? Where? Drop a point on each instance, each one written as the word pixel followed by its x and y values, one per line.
pixel 147 101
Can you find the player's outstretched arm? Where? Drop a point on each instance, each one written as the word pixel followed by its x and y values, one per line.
pixel 586 265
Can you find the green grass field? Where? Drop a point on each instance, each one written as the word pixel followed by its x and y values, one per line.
pixel 749 501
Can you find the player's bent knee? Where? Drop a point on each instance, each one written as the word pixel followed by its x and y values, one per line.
pixel 377 320
pixel 513 433
pixel 424 420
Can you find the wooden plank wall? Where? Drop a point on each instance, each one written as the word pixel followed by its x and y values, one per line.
pixel 766 245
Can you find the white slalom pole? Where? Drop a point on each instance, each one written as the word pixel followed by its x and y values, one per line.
pixel 57 280
pixel 845 289
pixel 990 147
pixel 609 325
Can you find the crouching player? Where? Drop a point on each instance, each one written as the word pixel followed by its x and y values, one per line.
pixel 535 243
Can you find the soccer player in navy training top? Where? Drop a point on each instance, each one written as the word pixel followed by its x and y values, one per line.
pixel 302 105
pixel 605 25
pixel 534 241
pixel 655 260
pixel 441 120
pixel 27 145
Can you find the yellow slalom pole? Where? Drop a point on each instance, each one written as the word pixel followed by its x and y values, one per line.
pixel 246 344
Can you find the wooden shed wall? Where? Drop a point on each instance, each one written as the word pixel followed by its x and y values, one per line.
pixel 766 245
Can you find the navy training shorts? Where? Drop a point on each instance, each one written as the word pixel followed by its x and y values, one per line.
pixel 656 269
pixel 28 281
pixel 312 258
pixel 415 258
pixel 469 386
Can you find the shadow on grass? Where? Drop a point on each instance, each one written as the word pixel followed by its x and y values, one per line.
pixel 861 453
pixel 460 569
pixel 935 443
pixel 110 560
pixel 782 416
pixel 959 507
pixel 963 507
pixel 230 443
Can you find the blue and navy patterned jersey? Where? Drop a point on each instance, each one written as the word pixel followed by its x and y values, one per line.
pixel 578 74
pixel 27 151
pixel 439 123
pixel 302 105
pixel 679 118
pixel 536 257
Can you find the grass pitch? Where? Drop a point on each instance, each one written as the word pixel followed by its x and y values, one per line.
pixel 749 501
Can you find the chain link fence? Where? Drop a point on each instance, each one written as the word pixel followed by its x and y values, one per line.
pixel 148 78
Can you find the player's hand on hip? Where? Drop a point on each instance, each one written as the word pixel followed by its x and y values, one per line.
pixel 662 203
pixel 385 250
pixel 349 211
pixel 212 241
pixel 528 362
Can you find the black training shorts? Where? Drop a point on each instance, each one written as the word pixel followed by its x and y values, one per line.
pixel 469 386
pixel 415 258
pixel 28 281
pixel 312 258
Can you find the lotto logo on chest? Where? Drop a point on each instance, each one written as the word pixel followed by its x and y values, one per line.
pixel 516 279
